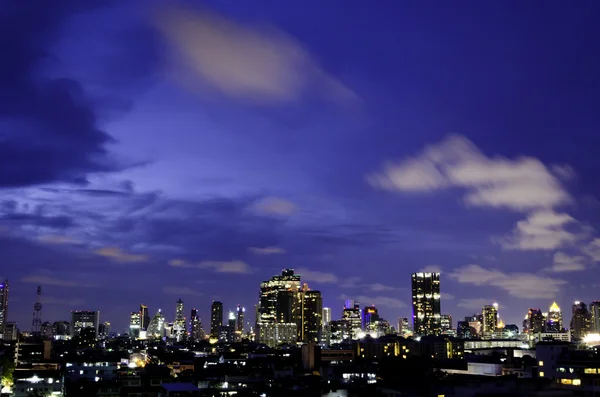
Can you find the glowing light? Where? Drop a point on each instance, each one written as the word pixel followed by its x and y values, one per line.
pixel 554 308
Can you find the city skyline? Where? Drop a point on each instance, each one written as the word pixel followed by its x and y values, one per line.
pixel 149 168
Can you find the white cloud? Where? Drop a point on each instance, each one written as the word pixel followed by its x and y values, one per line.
pixel 522 184
pixel 520 285
pixel 118 255
pixel 474 303
pixel 567 263
pixel 217 266
pixel 180 291
pixel 382 301
pixel 593 250
pixel 446 296
pixel 316 276
pixel 49 280
pixel 266 250
pixel 274 205
pixel 541 230
pixel 56 239
pixel 431 269
pixel 251 63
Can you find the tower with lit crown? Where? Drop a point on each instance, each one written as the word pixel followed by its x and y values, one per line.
pixel 554 321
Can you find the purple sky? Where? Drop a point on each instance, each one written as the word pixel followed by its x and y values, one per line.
pixel 150 152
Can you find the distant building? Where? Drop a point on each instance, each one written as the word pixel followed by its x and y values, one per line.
pixel 370 317
pixel 554 322
pixel 216 318
pixel 11 332
pixel 308 315
pixel 580 321
pixel 61 330
pixel 196 331
pixel 269 291
pixel 103 330
pixel 489 314
pixel 326 315
pixel 275 334
pixel 595 317
pixel 84 319
pixel 535 321
pixel 179 323
pixel 145 317
pixel 239 325
pixel 446 323
pixel 135 323
pixel 404 327
pixel 426 303
pixel 156 326
pixel 3 307
pixel 352 316
pixel 46 330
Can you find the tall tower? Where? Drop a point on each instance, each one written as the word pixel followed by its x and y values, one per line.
pixel 3 308
pixel 196 332
pixel 239 325
pixel 179 323
pixel 426 303
pixel 308 315
pixel 580 322
pixel 36 323
pixel 144 317
pixel 269 293
pixel 216 318
pixel 554 322
pixel 326 315
pixel 490 318
pixel 595 314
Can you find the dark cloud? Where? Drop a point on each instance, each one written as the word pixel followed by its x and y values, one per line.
pixel 49 127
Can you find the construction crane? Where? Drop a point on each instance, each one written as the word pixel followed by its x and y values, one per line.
pixel 36 324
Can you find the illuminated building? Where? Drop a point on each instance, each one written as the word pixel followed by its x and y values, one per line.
pixel 489 314
pixel 46 330
pixel 179 333
pixel 595 317
pixel 464 330
pixel 134 324
pixel 216 318
pixel 103 330
pixel 404 327
pixel 269 292
pixel 145 317
pixel 370 317
pixel 535 321
pixel 3 307
pixel 308 315
pixel 554 322
pixel 84 319
pixel 227 332
pixel 340 331
pixel 285 306
pixel 275 334
pixel 239 325
pixel 11 333
pixel 446 323
pixel 426 303
pixel 326 315
pixel 61 330
pixel 580 321
pixel 352 316
pixel 156 328
pixel 196 331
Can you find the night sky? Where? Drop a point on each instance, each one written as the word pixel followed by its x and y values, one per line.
pixel 150 152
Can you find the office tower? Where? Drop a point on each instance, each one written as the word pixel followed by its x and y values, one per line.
pixel 285 306
pixel 216 318
pixel 554 322
pixel 156 328
pixel 580 321
pixel 490 318
pixel 404 327
pixel 46 330
pixel 3 307
pixel 351 315
pixel 595 317
pixel 535 321
pixel 426 303
pixel 104 330
pixel 84 319
pixel 446 323
pixel 11 333
pixel 179 332
pixel 135 324
pixel 464 330
pixel 369 317
pixel 308 315
pixel 326 316
pixel 145 317
pixel 269 292
pixel 61 330
pixel 275 334
pixel 239 324
pixel 196 331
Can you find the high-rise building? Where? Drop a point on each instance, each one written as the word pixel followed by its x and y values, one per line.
pixel 351 315
pixel 285 306
pixel 46 330
pixel 580 321
pixel 595 317
pixel 308 315
pixel 11 333
pixel 370 316
pixel 196 331
pixel 145 317
pixel 61 330
pixel 269 292
pixel 135 324
pixel 535 321
pixel 490 319
pixel 426 303
pixel 275 334
pixel 179 323
pixel 3 307
pixel 404 327
pixel 84 319
pixel 104 330
pixel 216 318
pixel 239 324
pixel 446 323
pixel 326 315
pixel 554 321
pixel 156 328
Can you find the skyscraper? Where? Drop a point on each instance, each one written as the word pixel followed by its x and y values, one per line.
pixel 370 316
pixel 404 326
pixel 269 291
pixel 3 307
pixel 326 315
pixel 535 321
pixel 595 317
pixel 239 324
pixel 446 323
pixel 134 324
pixel 179 323
pixel 196 331
pixel 156 326
pixel 216 318
pixel 490 318
pixel 554 322
pixel 351 316
pixel 580 321
pixel 145 317
pixel 426 303
pixel 84 319
pixel 308 315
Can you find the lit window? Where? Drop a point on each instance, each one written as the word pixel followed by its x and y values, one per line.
pixel 566 381
pixel 576 382
pixel 589 370
pixel 541 363
pixel 541 374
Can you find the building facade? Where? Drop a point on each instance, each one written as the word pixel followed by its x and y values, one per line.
pixel 489 314
pixel 580 321
pixel 3 307
pixel 84 319
pixel 216 318
pixel 426 303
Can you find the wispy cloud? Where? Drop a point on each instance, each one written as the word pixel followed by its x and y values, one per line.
pixel 521 184
pixel 520 285
pixel 266 250
pixel 567 263
pixel 431 269
pixel 541 230
pixel 474 303
pixel 378 300
pixel 41 279
pixel 251 63
pixel 180 291
pixel 355 282
pixel 275 206
pixel 116 254
pixel 56 239
pixel 316 276
pixel 217 266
